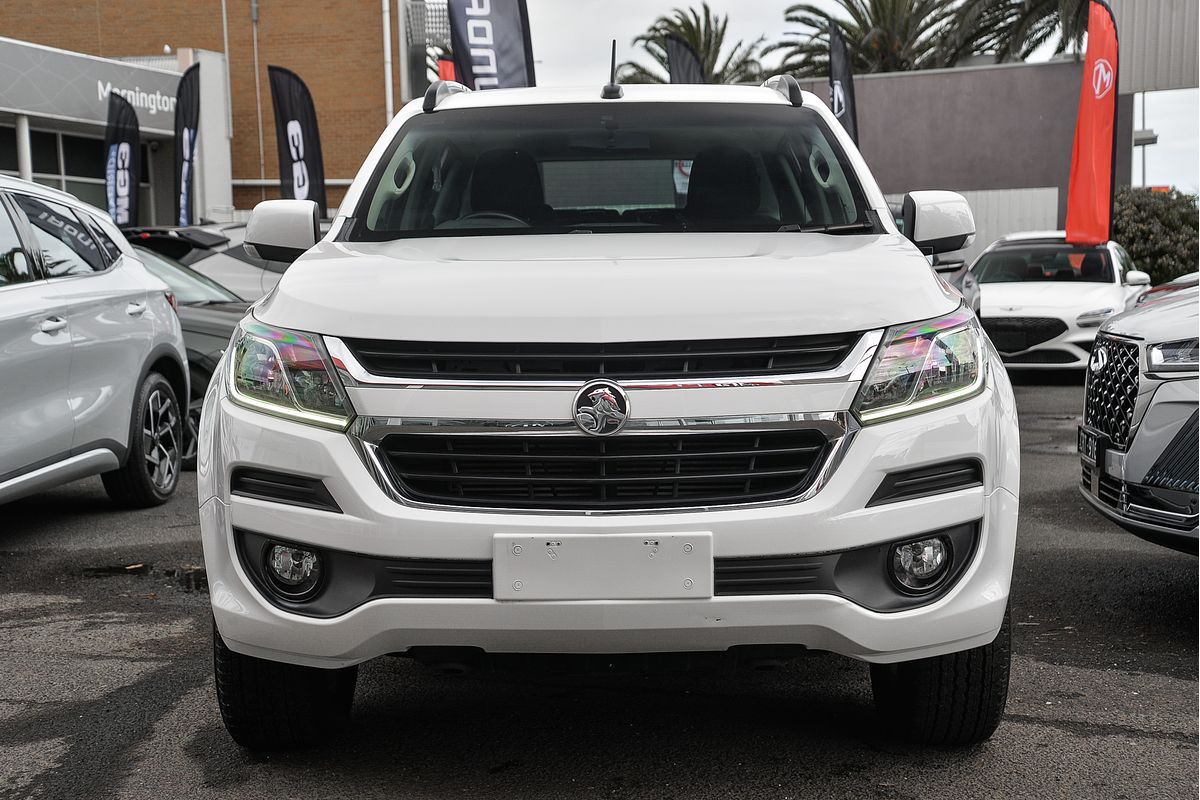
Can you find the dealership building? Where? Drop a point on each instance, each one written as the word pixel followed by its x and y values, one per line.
pixel 1000 134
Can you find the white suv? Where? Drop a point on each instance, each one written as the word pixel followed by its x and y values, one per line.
pixel 92 361
pixel 576 375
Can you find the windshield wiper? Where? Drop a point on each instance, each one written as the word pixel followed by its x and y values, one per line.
pixel 849 227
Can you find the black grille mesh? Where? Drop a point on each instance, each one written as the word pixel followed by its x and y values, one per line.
pixel 621 360
pixel 1014 334
pixel 584 472
pixel 1112 392
pixel 1178 467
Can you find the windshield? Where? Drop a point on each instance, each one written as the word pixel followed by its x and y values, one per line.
pixel 610 167
pixel 1045 262
pixel 190 287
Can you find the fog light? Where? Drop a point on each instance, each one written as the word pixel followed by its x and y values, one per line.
pixel 294 571
pixel 921 565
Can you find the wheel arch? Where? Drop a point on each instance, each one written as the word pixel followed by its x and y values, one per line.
pixel 163 359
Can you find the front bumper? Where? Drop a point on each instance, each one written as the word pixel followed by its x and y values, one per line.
pixel 836 518
pixel 1149 488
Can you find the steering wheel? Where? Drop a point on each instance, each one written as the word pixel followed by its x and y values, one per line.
pixel 493 215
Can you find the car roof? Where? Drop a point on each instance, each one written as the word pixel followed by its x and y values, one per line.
pixel 632 93
pixel 1034 237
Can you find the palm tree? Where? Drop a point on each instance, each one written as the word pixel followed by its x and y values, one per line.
pixel 705 33
pixel 882 35
pixel 1013 29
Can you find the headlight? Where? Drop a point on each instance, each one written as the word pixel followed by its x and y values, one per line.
pixel 286 373
pixel 1180 356
pixel 1093 318
pixel 923 366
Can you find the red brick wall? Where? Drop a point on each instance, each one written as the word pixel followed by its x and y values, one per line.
pixel 336 46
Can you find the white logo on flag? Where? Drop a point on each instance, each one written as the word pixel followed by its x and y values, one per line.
pixel 838 99
pixel 1102 78
pixel 295 140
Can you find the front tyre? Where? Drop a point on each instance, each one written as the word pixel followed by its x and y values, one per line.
pixel 268 705
pixel 956 699
pixel 151 471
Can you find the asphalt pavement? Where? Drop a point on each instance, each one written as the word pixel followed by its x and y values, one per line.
pixel 106 689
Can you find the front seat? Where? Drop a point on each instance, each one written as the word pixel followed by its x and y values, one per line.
pixel 724 188
pixel 508 182
pixel 1093 268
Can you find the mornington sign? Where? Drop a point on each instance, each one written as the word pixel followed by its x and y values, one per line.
pixel 58 84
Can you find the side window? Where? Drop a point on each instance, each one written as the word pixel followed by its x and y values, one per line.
pixel 107 246
pixel 14 264
pixel 68 247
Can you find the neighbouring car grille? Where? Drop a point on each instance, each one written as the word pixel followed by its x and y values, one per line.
pixel 1178 467
pixel 619 361
pixel 1112 391
pixel 1041 357
pixel 1014 334
pixel 585 472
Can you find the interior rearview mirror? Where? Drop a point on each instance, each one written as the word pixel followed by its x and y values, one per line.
pixel 938 222
pixel 282 230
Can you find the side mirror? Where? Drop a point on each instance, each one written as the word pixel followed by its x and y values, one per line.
pixel 940 222
pixel 1135 277
pixel 282 230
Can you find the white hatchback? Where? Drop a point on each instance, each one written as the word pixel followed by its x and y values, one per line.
pixel 92 360
pixel 1042 300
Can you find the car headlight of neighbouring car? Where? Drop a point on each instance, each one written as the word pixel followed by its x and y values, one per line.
pixel 922 366
pixel 286 373
pixel 1177 356
pixel 1094 318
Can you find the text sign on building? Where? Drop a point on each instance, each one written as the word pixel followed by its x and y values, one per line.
pixel 45 82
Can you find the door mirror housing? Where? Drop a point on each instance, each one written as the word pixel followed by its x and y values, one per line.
pixel 282 230
pixel 1135 277
pixel 938 222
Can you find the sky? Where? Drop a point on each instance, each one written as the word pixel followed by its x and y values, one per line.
pixel 571 42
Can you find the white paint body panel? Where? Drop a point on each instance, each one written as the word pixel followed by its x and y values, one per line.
pixel 607 288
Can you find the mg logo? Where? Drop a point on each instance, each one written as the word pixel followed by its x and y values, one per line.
pixel 1102 78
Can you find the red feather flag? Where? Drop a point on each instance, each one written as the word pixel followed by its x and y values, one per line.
pixel 1093 159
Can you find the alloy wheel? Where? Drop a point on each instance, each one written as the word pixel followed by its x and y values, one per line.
pixel 160 440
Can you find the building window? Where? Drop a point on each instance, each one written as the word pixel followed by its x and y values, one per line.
pixel 74 164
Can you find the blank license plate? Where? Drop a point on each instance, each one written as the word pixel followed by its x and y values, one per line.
pixel 583 566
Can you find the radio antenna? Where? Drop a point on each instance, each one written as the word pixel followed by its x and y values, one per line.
pixel 613 90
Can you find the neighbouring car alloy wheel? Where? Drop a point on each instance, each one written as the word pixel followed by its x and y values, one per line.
pixel 151 471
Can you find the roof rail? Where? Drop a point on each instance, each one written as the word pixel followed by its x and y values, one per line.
pixel 439 91
pixel 786 85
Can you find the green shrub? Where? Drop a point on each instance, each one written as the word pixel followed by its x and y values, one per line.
pixel 1159 229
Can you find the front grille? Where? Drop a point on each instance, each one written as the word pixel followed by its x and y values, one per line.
pixel 770 574
pixel 714 358
pixel 1112 392
pixel 623 472
pixel 434 577
pixel 1178 468
pixel 1041 357
pixel 1014 334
